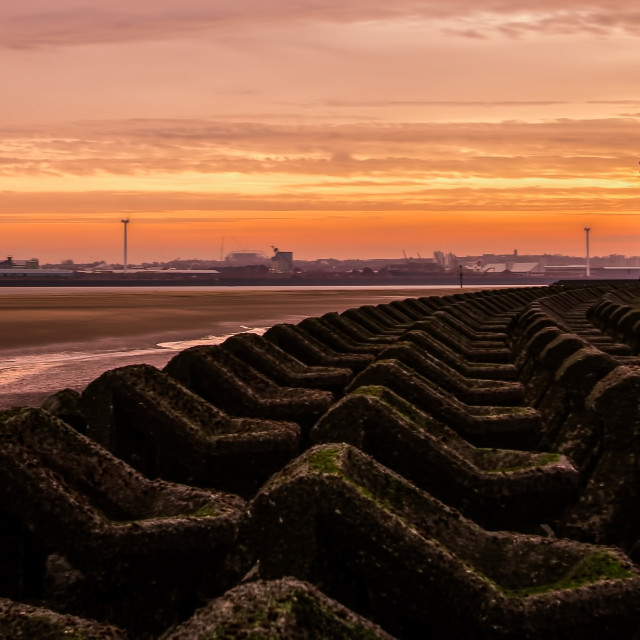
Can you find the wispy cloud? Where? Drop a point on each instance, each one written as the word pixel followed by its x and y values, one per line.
pixel 43 23
pixel 212 207
pixel 565 148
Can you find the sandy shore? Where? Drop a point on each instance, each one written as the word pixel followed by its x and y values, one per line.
pixel 55 339
pixel 33 321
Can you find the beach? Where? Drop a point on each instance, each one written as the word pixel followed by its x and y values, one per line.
pixel 52 339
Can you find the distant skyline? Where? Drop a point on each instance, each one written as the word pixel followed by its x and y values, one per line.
pixel 336 129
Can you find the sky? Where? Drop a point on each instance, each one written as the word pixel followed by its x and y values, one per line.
pixel 330 128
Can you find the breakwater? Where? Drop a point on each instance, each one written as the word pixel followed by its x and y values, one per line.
pixel 460 466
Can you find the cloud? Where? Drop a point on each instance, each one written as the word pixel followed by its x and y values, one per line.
pixel 47 23
pixel 215 207
pixel 458 103
pixel 136 149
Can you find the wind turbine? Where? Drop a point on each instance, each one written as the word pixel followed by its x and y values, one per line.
pixel 125 222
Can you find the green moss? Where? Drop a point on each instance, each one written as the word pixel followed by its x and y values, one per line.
pixel 547 458
pixel 372 390
pixel 324 460
pixel 594 568
pixel 394 401
pixel 208 510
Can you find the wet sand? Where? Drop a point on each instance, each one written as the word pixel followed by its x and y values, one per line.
pixel 55 339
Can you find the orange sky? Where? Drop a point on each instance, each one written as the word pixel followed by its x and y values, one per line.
pixel 345 128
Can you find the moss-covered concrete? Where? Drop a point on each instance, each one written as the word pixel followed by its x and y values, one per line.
pixel 472 391
pixel 234 386
pixel 161 428
pixel 606 510
pixel 334 337
pixel 282 367
pixel 24 622
pixel 81 532
pixel 367 537
pixel 499 488
pixel 484 370
pixel 110 544
pixel 285 609
pixel 504 427
pixel 311 351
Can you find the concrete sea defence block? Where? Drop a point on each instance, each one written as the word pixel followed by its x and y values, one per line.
pixel 548 359
pixel 497 488
pixel 161 428
pixel 395 313
pixel 486 306
pixel 568 298
pixel 337 339
pixel 467 315
pixel 418 306
pixel 486 370
pixel 94 538
pixel 19 620
pixel 65 404
pixel 287 609
pixel 466 329
pixel 365 316
pixel 607 510
pixel 366 537
pixel 526 327
pixel 432 303
pixel 471 350
pixel 497 304
pixel 380 556
pixel 356 332
pixel 568 426
pixel 282 367
pixel 468 311
pixel 522 324
pixel 573 316
pixel 450 330
pixel 614 317
pixel 527 353
pixel 408 310
pixel 385 319
pixel 619 320
pixel 311 351
pixel 559 370
pixel 234 386
pixel 600 311
pixel 468 390
pixel 623 291
pixel 626 329
pixel 484 426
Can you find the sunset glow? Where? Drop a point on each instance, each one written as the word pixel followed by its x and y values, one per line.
pixel 338 129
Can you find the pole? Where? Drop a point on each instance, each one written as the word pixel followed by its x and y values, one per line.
pixel 125 222
pixel 587 229
pixel 460 267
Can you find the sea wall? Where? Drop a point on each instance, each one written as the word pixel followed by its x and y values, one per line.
pixel 460 466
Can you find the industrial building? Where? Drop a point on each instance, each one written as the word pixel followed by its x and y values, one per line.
pixel 282 262
pixel 10 263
